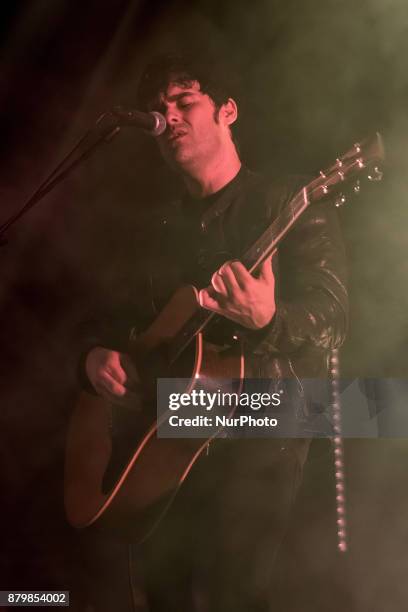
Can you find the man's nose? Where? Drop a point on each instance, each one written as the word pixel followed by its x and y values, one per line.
pixel 172 116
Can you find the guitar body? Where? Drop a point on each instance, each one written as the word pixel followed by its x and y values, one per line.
pixel 145 479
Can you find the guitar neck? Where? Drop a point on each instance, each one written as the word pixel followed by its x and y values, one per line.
pixel 273 235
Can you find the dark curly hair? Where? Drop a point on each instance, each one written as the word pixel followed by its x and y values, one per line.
pixel 216 78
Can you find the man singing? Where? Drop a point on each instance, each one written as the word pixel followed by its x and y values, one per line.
pixel 215 549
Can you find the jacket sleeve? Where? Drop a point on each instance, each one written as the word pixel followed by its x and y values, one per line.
pixel 113 315
pixel 311 298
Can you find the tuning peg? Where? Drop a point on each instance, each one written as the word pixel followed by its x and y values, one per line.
pixel 376 176
pixel 340 200
pixel 356 187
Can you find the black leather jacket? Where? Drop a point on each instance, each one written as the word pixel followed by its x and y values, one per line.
pixel 190 239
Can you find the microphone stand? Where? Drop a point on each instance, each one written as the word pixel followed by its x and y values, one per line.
pixel 59 173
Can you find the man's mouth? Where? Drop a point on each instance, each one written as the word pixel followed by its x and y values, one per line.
pixel 176 135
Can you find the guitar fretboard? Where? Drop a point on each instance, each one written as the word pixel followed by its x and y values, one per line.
pixel 270 239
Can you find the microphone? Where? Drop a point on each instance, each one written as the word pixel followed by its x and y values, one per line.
pixel 153 123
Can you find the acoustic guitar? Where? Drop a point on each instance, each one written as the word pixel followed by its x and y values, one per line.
pixel 128 480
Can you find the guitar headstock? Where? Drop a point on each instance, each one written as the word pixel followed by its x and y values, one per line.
pixel 362 160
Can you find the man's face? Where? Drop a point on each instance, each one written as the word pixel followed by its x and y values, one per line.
pixel 195 133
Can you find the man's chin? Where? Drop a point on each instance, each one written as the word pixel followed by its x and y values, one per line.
pixel 179 157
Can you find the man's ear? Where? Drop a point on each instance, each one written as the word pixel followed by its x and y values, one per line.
pixel 229 112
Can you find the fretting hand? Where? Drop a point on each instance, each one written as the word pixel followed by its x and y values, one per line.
pixel 237 295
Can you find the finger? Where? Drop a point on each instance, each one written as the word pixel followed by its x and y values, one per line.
pixel 108 383
pixel 229 278
pixel 243 277
pixel 266 272
pixel 208 300
pixel 116 371
pixel 112 364
pixel 218 283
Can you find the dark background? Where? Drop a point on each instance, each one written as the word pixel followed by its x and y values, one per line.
pixel 317 76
